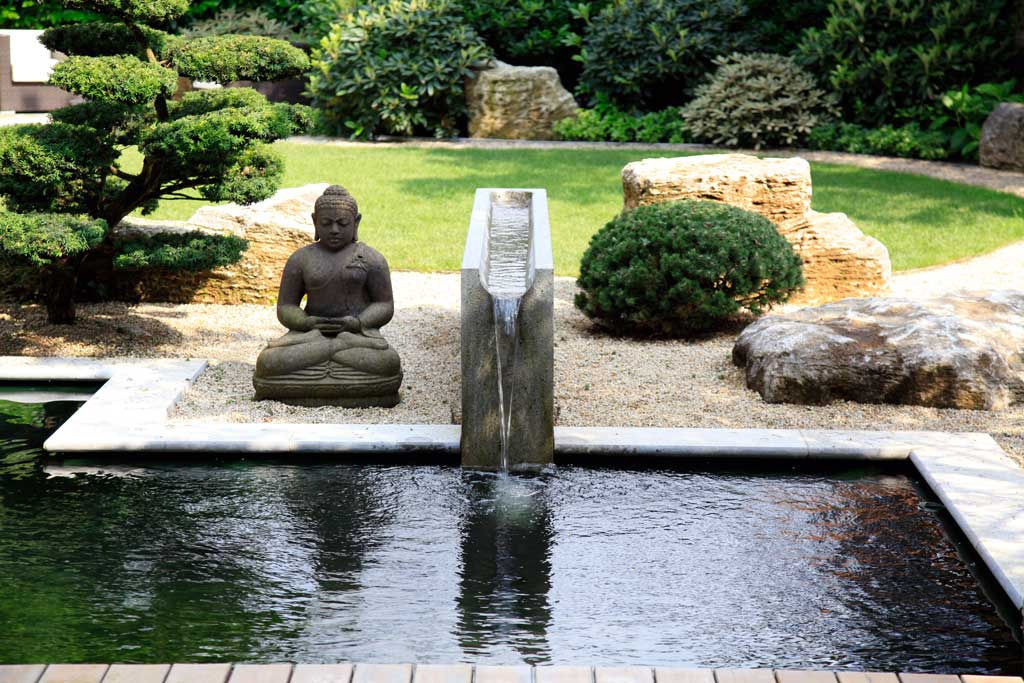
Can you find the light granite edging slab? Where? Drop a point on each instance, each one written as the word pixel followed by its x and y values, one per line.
pixel 982 488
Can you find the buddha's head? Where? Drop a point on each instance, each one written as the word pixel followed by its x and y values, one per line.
pixel 336 218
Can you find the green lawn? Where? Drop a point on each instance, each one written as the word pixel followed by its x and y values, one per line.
pixel 416 202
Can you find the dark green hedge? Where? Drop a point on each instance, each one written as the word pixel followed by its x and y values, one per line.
pixel 42 238
pixel 235 58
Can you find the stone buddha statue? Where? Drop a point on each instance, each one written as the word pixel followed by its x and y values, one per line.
pixel 333 353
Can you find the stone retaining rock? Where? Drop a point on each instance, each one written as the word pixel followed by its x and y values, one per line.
pixel 1002 138
pixel 956 351
pixel 517 102
pixel 839 260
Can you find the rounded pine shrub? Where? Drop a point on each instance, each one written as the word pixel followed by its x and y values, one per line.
pixel 396 68
pixel 682 267
pixel 757 100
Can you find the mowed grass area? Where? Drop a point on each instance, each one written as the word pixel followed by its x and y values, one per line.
pixel 416 201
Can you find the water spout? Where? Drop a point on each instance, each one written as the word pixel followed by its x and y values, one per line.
pixel 507 375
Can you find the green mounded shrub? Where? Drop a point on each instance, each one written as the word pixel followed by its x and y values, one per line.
pixel 757 100
pixel 651 54
pixel 396 68
pixel 606 123
pixel 683 267
pixel 185 251
pixel 884 56
pixel 103 38
pixel 213 143
pixel 120 79
pixel 234 58
pixel 40 239
pixel 908 141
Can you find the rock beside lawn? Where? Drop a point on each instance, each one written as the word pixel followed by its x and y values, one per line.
pixel 517 102
pixel 956 351
pixel 839 260
pixel 1002 138
pixel 274 228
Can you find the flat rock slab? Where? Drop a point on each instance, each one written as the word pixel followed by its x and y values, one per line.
pixel 956 351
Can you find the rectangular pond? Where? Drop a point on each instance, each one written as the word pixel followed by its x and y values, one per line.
pixel 262 560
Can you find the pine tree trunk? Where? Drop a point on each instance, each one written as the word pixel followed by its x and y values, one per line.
pixel 60 295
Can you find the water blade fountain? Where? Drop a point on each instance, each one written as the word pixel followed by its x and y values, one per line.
pixel 508 333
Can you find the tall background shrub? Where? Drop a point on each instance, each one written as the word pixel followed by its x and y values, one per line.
pixel 651 54
pixel 396 68
pixel 757 100
pixel 886 58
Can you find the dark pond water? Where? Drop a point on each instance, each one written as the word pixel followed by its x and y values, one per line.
pixel 269 561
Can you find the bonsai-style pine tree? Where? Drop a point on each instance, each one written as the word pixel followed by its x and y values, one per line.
pixel 66 184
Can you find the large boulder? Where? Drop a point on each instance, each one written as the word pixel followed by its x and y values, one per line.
pixel 274 228
pixel 1002 138
pixel 517 102
pixel 839 260
pixel 956 351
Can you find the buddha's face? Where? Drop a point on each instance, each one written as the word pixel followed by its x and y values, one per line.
pixel 336 226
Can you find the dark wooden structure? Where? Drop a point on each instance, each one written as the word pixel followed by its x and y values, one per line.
pixel 26 97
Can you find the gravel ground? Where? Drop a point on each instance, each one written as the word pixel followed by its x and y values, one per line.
pixel 599 379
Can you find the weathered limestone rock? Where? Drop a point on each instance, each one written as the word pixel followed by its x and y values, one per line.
pixel 1002 138
pixel 274 228
pixel 839 260
pixel 517 102
pixel 956 351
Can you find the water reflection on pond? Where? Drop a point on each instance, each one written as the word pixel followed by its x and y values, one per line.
pixel 271 561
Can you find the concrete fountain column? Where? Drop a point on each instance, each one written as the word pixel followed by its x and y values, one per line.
pixel 508 332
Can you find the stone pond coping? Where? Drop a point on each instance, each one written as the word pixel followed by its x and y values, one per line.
pixel 447 673
pixel 981 487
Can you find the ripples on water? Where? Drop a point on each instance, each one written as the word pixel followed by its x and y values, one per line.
pixel 257 561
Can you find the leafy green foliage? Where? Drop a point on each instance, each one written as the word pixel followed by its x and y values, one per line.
pixel 114 79
pixel 778 25
pixel 101 38
pixel 40 239
pixel 965 112
pixel 136 11
pixel 183 251
pixel 533 32
pixel 396 68
pixel 756 100
pixel 903 141
pixel 245 22
pixel 650 54
pixel 215 143
pixel 607 123
pixel 53 168
pixel 314 17
pixel 882 56
pixel 234 58
pixel 682 267
pixel 39 14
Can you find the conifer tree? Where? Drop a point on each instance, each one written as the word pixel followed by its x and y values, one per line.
pixel 64 185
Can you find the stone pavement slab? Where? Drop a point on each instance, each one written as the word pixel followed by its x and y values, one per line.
pixel 322 673
pixel 198 673
pixel 261 673
pixel 137 673
pixel 443 673
pixel 665 674
pixel 74 673
pixel 21 673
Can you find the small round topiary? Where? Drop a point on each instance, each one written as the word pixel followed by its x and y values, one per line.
pixel 682 267
pixel 757 100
